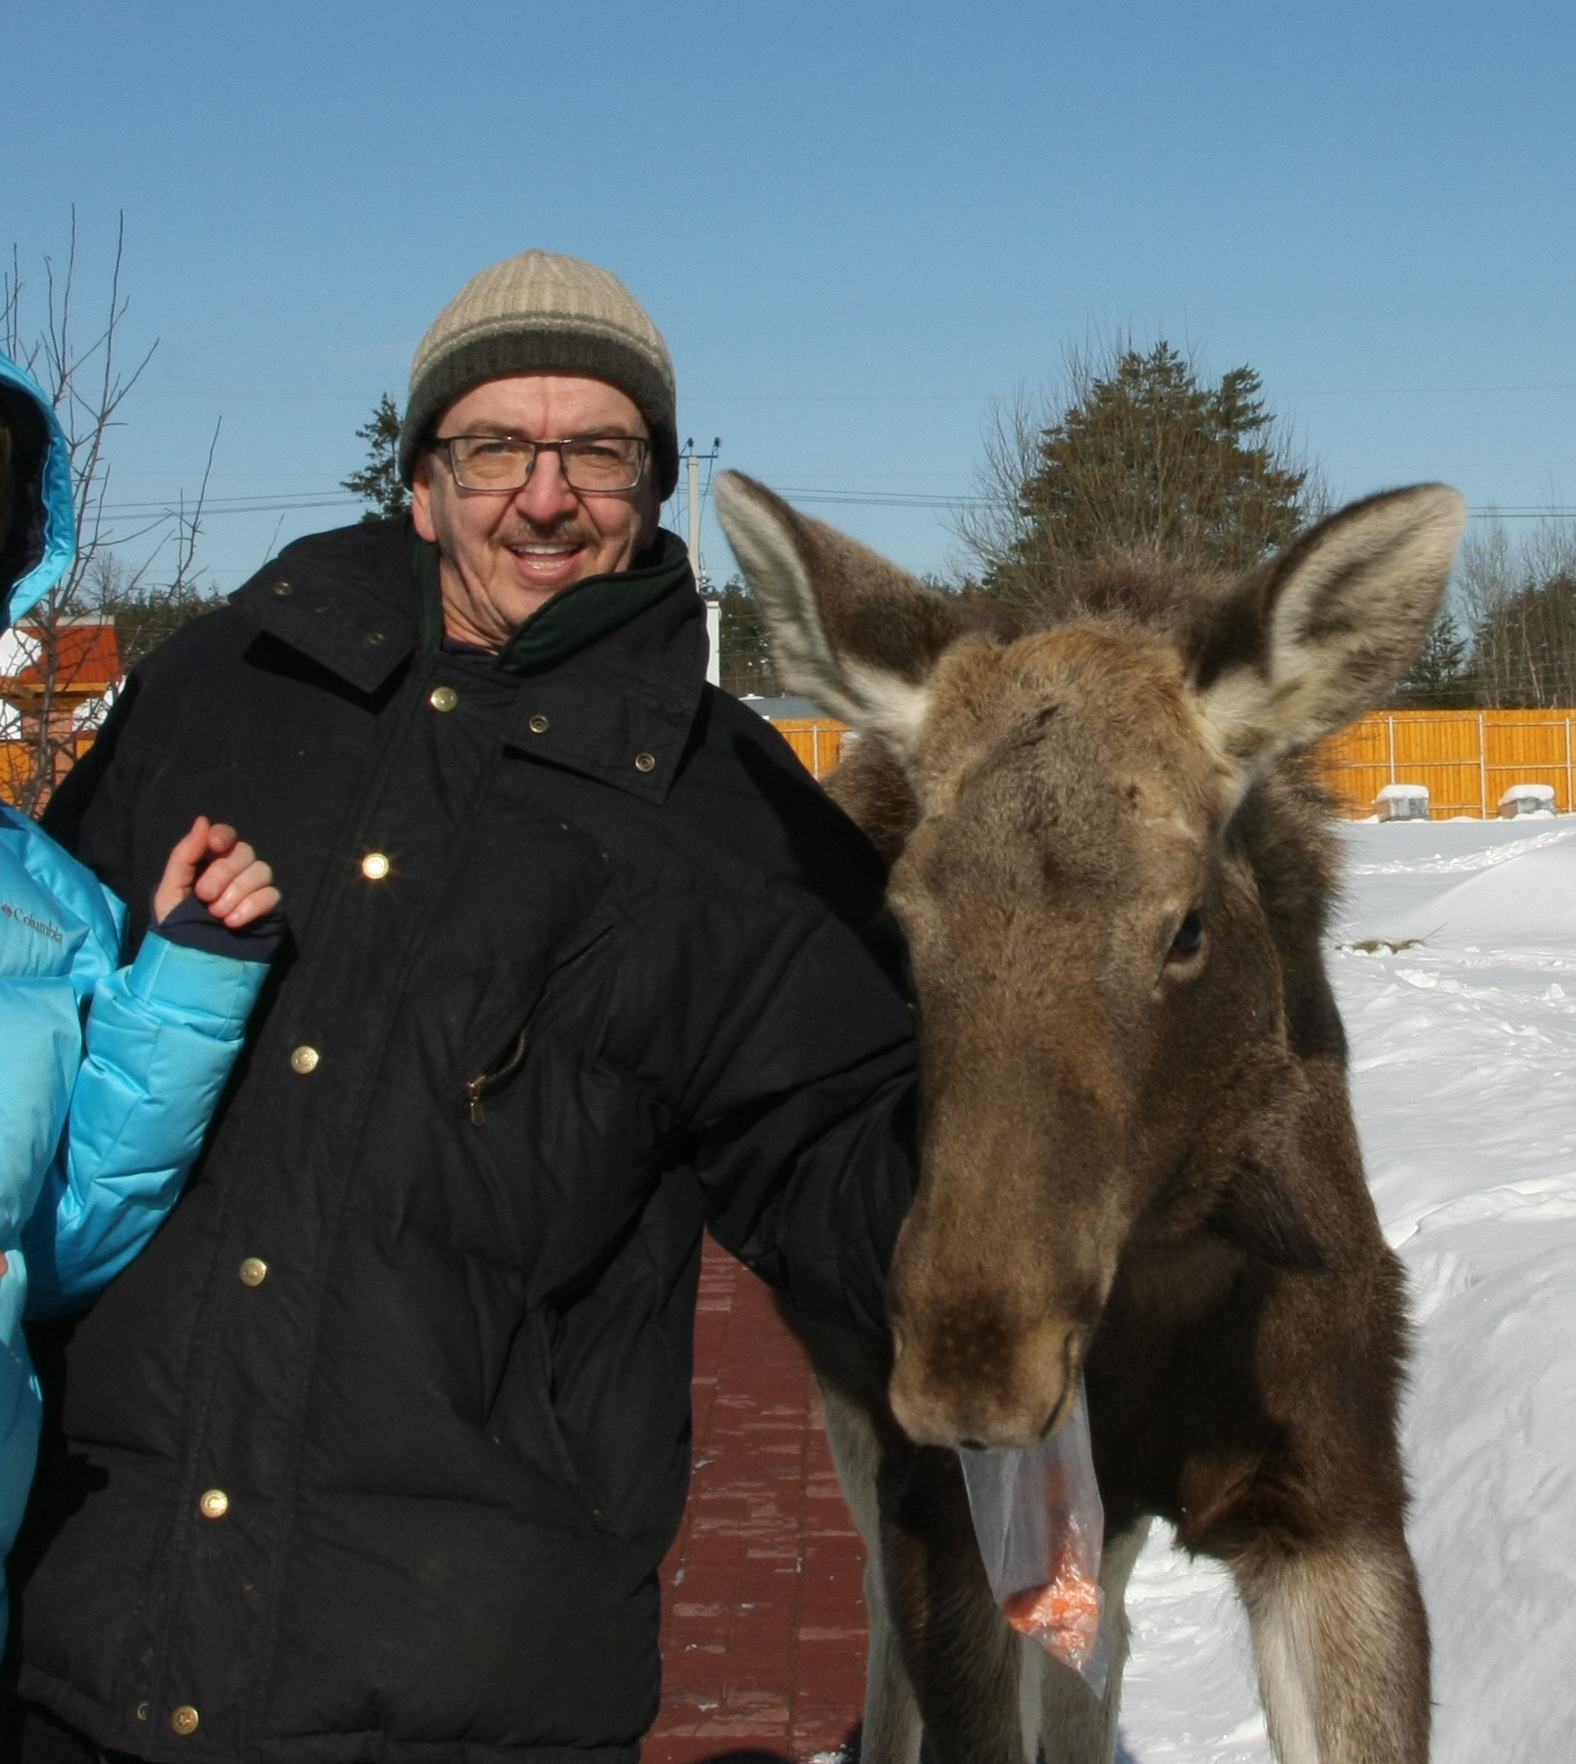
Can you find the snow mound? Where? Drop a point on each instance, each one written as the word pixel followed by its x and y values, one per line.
pixel 1531 895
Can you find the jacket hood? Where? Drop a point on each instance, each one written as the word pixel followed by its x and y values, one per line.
pixel 38 529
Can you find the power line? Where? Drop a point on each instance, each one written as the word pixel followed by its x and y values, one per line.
pixel 302 397
pixel 1419 391
pixel 845 498
pixel 232 505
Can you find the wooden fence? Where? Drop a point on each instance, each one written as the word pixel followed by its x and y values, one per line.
pixel 16 766
pixel 1467 759
pixel 818 741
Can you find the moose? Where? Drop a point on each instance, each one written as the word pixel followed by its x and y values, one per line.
pixel 1138 1159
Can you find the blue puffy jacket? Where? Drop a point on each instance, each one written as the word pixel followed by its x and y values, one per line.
pixel 110 1073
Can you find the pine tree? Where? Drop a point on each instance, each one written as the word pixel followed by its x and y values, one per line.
pixel 1438 679
pixel 1144 458
pixel 746 650
pixel 379 481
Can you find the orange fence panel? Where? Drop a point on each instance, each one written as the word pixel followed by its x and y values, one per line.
pixel 818 741
pixel 1467 759
pixel 16 765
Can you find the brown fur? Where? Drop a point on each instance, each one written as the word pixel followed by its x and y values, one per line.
pixel 1138 1163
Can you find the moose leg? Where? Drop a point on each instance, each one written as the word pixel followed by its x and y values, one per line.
pixel 961 1654
pixel 1341 1642
pixel 943 1659
pixel 1076 1726
pixel 891 1730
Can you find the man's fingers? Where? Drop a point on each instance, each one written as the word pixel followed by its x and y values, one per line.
pixel 221 838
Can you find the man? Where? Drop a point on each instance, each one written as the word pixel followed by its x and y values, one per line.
pixel 379 1446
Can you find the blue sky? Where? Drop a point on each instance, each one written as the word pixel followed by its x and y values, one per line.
pixel 856 224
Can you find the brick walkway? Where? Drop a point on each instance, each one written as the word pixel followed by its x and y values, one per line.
pixel 763 1634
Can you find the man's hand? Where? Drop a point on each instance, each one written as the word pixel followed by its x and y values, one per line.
pixel 222 871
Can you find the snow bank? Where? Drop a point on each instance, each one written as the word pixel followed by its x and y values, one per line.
pixel 1464 1080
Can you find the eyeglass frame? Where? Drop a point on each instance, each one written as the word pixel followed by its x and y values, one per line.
pixel 444 443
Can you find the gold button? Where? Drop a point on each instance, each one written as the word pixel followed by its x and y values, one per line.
pixel 538 724
pixel 373 639
pixel 645 762
pixel 283 590
pixel 443 698
pixel 254 1271
pixel 304 1059
pixel 143 1711
pixel 185 1720
pixel 214 1504
pixel 375 866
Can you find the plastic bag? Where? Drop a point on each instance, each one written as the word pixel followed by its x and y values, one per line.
pixel 1040 1524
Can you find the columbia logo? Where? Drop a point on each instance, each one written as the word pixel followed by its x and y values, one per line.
pixel 42 926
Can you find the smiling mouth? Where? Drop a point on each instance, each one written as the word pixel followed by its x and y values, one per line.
pixel 550 564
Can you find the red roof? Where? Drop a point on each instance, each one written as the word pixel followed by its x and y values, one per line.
pixel 87 661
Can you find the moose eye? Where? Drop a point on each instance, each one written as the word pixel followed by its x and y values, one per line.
pixel 1189 939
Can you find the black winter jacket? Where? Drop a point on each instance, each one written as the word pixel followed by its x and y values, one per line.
pixel 383 1439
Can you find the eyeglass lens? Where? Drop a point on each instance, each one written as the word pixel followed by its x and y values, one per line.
pixel 504 462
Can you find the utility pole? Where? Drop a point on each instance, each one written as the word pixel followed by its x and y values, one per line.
pixel 694 511
pixel 692 461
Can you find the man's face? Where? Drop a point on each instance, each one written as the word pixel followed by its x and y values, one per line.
pixel 506 553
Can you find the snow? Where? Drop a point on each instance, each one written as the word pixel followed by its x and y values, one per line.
pixel 1463 1056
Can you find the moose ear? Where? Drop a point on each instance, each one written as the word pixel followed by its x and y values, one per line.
pixel 848 629
pixel 1325 632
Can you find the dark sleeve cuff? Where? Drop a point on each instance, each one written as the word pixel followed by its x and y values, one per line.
pixel 192 926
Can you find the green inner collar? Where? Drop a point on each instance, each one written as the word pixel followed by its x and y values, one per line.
pixel 574 617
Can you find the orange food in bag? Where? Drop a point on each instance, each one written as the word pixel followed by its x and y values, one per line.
pixel 1063 1614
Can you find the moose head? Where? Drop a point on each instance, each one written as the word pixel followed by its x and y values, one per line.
pixel 1101 1002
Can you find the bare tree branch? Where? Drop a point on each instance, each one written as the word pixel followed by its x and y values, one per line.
pixel 51 701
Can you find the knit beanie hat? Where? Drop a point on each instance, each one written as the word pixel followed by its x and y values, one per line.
pixel 540 313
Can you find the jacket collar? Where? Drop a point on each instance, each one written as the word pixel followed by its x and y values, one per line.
pixel 343 599
pixel 619 709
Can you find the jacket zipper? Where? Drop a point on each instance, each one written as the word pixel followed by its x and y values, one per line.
pixel 507 1063
pixel 494 1073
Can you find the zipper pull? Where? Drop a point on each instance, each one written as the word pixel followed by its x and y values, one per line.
pixel 503 1067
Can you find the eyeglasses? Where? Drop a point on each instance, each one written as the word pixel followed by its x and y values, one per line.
pixel 598 463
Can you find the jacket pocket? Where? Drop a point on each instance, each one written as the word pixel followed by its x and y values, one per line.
pixel 498 1071
pixel 522 1419
pixel 499 1055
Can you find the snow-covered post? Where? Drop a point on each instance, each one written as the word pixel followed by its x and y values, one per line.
pixel 1527 799
pixel 1483 761
pixel 1570 772
pixel 1402 802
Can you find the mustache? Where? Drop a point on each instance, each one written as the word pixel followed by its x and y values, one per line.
pixel 570 531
